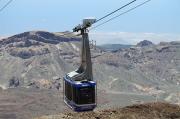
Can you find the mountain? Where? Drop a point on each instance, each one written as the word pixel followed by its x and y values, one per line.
pixel 32 66
pixel 113 47
pixel 144 43
pixel 28 44
pixel 33 59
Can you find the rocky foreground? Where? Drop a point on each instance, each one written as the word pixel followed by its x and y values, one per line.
pixel 142 111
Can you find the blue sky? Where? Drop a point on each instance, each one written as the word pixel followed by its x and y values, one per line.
pixel 157 16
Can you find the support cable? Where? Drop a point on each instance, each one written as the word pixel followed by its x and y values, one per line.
pixel 5 5
pixel 66 34
pixel 115 11
pixel 107 15
pixel 119 15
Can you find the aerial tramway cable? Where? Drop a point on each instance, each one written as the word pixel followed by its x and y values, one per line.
pixel 112 17
pixel 116 10
pixel 119 15
pixel 106 15
pixel 5 5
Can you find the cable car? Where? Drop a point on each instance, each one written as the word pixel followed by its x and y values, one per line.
pixel 79 89
pixel 79 95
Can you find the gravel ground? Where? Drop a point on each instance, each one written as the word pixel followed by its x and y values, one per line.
pixel 141 111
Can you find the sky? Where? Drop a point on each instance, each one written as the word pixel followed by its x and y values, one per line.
pixel 157 18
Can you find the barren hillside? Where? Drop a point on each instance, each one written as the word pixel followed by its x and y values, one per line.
pixel 32 66
pixel 142 111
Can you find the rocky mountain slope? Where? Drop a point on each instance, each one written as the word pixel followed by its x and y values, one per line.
pixel 142 111
pixel 33 62
pixel 35 58
pixel 40 59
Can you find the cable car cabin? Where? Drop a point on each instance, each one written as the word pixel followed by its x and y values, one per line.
pixel 79 95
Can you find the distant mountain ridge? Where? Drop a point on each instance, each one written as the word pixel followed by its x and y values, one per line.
pixel 38 36
pixel 113 47
pixel 28 44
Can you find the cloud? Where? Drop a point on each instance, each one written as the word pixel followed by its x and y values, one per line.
pixel 131 38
